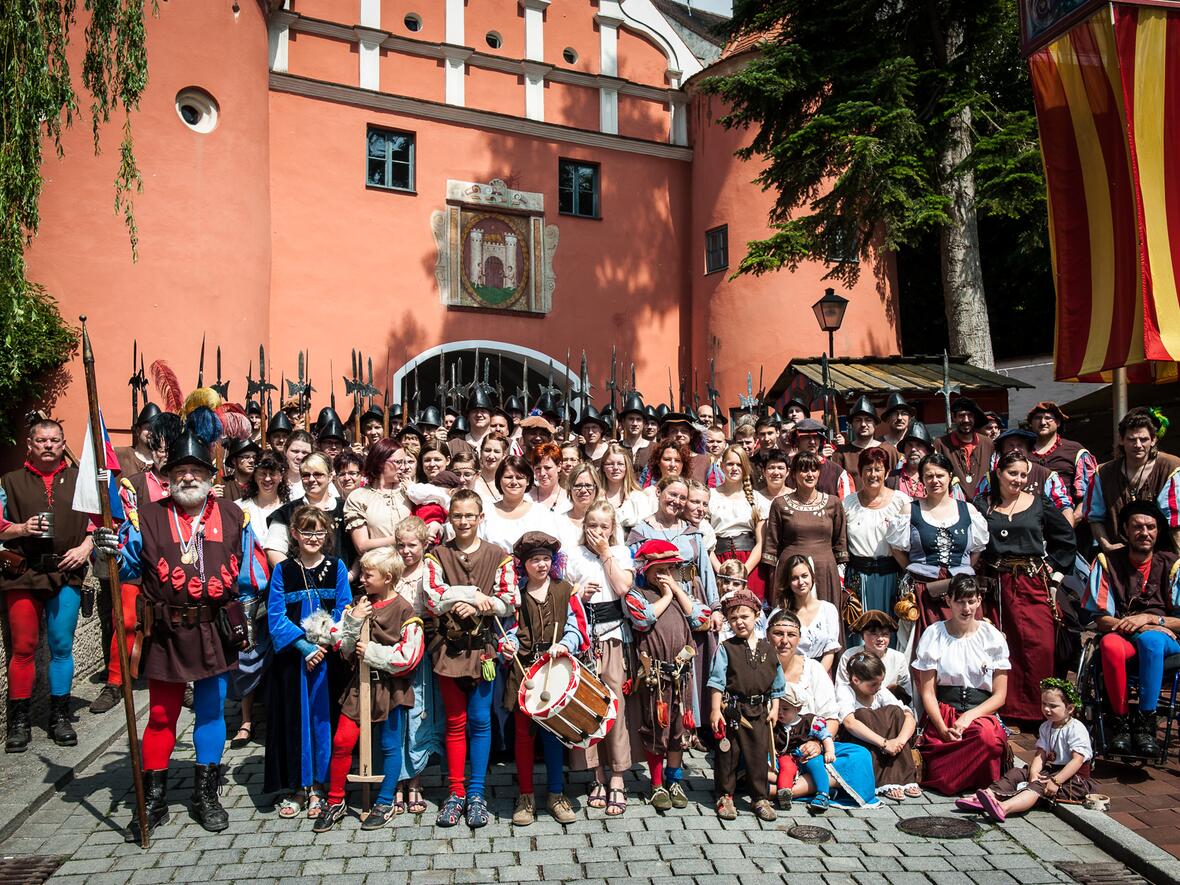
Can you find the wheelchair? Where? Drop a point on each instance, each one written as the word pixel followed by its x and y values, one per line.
pixel 1092 689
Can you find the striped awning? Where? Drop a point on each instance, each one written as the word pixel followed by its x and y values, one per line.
pixel 1108 105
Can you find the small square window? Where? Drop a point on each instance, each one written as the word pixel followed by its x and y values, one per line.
pixel 577 188
pixel 390 160
pixel 717 249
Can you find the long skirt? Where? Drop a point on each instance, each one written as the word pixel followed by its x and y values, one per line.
pixel 971 763
pixel 298 723
pixel 253 664
pixel 1073 790
pixel 425 724
pixel 755 580
pixel 1026 620
pixel 890 771
pixel 854 785
pixel 877 593
pixel 621 745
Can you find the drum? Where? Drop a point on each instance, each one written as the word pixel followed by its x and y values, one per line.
pixel 579 709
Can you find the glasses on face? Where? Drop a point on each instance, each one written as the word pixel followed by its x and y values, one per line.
pixel 350 474
pixel 316 476
pixel 312 536
pixel 583 487
pixel 464 517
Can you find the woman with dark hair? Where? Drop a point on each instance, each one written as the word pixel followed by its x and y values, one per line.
pixel 432 460
pixel 1030 546
pixel 1139 472
pixel 668 458
pixel 350 467
pixel 514 514
pixel 941 539
pixel 819 621
pixel 264 491
pixel 961 668
pixel 492 451
pixel 811 523
pixel 872 573
pixel 316 479
pixel 372 512
pixel 547 491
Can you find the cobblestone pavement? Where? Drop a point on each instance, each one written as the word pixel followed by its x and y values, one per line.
pixel 689 846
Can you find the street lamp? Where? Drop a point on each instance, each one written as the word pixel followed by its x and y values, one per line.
pixel 829 312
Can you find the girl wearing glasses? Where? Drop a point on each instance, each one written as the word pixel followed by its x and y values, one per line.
pixel 299 725
pixel 315 474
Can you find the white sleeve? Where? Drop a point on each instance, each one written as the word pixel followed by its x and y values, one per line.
pixel 929 649
pixel 998 648
pixel 823 693
pixel 845 702
pixel 1079 740
pixel 897 532
pixel 886 698
pixel 842 669
pixel 831 619
pixel 979 532
pixel 278 538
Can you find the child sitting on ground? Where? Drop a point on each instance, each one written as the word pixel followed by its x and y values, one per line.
pixel 872 716
pixel 1060 771
pixel 877 629
pixel 795 731
pixel 744 686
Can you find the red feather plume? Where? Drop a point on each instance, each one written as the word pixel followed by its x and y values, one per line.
pixel 235 423
pixel 168 385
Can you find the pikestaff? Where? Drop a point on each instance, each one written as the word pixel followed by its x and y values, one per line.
pixel 201 364
pixel 565 400
pixel 613 383
pixel 116 586
pixel 222 387
pixel 352 388
pixel 713 391
pixel 388 388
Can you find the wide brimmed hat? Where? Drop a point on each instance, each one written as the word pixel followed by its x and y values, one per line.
pixel 874 618
pixel 1048 406
pixel 539 422
pixel 590 415
pixel 237 447
pixel 966 404
pixel 1016 433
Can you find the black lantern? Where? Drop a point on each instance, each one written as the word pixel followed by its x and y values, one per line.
pixel 829 313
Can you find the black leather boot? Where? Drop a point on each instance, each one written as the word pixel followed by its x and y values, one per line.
pixel 60 729
pixel 1144 729
pixel 1118 734
pixel 20 727
pixel 155 787
pixel 206 806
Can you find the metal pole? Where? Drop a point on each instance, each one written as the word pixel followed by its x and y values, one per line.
pixel 1118 389
pixel 831 344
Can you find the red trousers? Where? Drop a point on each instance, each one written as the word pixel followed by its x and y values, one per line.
pixel 348 732
pixel 130 592
pixel 24 625
pixel 972 763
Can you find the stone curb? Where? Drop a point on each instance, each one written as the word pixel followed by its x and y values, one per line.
pixel 1122 843
pixel 93 741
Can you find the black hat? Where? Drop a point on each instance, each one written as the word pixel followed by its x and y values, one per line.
pixel 146 414
pixel 863 407
pixel 1144 508
pixel 532 543
pixel 253 408
pixel 327 413
pixel 632 405
pixel 549 403
pixel 917 431
pixel 373 413
pixel 649 413
pixel 670 417
pixel 395 411
pixel 795 401
pixel 514 404
pixel 989 417
pixel 236 447
pixel 279 423
pixel 810 425
pixel 332 429
pixel 897 401
pixel 188 449
pixel 430 417
pixel 964 403
pixel 411 429
pixel 1016 433
pixel 480 399
pixel 590 415
pixel 459 428
pixel 661 411
pixel 453 412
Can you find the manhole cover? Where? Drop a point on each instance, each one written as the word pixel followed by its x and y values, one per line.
pixel 810 834
pixel 28 869
pixel 1101 873
pixel 939 827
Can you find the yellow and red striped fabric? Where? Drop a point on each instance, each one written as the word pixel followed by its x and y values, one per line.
pixel 1108 104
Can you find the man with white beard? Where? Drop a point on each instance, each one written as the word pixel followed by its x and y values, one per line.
pixel 191 552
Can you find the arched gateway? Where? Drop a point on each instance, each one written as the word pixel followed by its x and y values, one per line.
pixel 508 368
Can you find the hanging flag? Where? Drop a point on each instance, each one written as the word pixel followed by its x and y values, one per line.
pixel 85 491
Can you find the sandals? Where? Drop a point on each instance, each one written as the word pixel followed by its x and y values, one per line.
pixel 244 734
pixel 415 805
pixel 912 791
pixel 615 807
pixel 725 809
pixel 288 806
pixel 991 806
pixel 597 797
pixel 897 794
pixel 451 812
pixel 315 805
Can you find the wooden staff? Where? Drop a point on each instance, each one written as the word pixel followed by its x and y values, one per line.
pixel 116 588
pixel 365 775
pixel 528 683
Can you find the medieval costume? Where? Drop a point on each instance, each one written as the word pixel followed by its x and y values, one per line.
pixel 971 457
pixel 1057 744
pixel 1069 459
pixel 735 521
pixel 885 715
pixel 1112 490
pixel 299 720
pixel 816 530
pixel 872 573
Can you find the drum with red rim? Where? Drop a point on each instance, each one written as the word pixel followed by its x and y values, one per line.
pixel 578 708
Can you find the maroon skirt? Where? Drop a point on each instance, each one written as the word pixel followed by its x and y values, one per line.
pixel 973 762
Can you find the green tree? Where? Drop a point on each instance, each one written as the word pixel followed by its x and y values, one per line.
pixel 37 102
pixel 881 122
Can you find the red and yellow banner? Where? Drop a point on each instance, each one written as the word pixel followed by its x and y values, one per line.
pixel 1108 106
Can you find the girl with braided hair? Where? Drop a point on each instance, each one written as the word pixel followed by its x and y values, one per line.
pixel 736 514
pixel 1059 771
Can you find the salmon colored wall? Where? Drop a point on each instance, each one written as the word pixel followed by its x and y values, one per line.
pixel 765 320
pixel 641 61
pixel 505 17
pixel 571 23
pixel 372 265
pixel 568 105
pixel 643 118
pixel 203 216
pixel 323 58
pixel 413 75
pixel 346 12
pixel 494 91
pixel 393 14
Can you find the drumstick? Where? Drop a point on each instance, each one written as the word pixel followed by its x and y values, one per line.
pixel 549 666
pixel 528 683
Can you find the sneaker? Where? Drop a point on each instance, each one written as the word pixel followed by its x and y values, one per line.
pixel 451 812
pixel 660 799
pixel 819 803
pixel 331 815
pixel 725 809
pixel 379 815
pixel 525 811
pixel 763 810
pixel 679 797
pixel 784 800
pixel 560 808
pixel 477 812
pixel 108 698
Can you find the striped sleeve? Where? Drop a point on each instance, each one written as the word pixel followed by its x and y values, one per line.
pixel 1169 499
pixel 576 636
pixel 1094 504
pixel 401 657
pixel 1084 471
pixel 639 611
pixel 1097 596
pixel 1057 492
pixel 505 590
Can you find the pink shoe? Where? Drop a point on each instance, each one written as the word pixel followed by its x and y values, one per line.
pixel 991 806
pixel 972 805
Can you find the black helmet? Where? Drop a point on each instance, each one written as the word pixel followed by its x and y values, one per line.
pixel 459 428
pixel 897 401
pixel 661 411
pixel 430 417
pixel 236 447
pixel 395 411
pixel 146 414
pixel 253 407
pixel 332 429
pixel 327 413
pixel 480 399
pixel 279 423
pixel 917 431
pixel 549 403
pixel 188 449
pixel 514 404
pixel 590 415
pixel 373 413
pixel 632 405
pixel 649 413
pixel 411 429
pixel 863 407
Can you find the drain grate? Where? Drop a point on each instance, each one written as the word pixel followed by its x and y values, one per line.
pixel 28 869
pixel 814 835
pixel 1101 873
pixel 935 827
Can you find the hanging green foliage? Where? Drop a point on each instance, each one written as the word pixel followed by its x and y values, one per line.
pixel 37 102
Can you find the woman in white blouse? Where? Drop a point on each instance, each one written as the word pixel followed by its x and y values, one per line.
pixel 604 571
pixel 737 518
pixel 622 488
pixel 547 491
pixel 584 490
pixel 514 514
pixel 961 670
pixel 819 621
pixel 491 452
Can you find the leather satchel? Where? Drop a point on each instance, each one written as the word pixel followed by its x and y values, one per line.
pixel 938 589
pixel 12 564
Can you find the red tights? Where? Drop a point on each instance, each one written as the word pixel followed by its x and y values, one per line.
pixel 1116 652
pixel 159 737
pixel 115 671
pixel 348 732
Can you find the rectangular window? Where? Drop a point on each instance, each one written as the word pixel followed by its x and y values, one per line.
pixel 717 249
pixel 390 160
pixel 577 188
